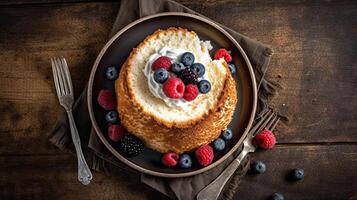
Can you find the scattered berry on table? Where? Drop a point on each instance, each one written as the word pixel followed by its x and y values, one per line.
pixel 116 132
pixel 204 155
pixel 191 92
pixel 106 100
pixel 185 161
pixel 161 62
pixel 131 146
pixel 188 76
pixel 199 69
pixel 232 68
pixel 258 167
pixel 265 139
pixel 174 88
pixel 204 86
pixel 219 144
pixel 176 68
pixel 112 117
pixel 170 159
pixel 161 75
pixel 223 53
pixel 277 196
pixel 111 73
pixel 297 174
pixel 187 59
pixel 227 134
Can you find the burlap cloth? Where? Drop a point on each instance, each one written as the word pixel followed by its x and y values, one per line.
pixel 100 159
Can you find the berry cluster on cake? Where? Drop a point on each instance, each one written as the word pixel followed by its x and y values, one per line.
pixel 173 97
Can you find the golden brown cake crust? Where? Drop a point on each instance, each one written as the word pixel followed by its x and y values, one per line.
pixel 165 137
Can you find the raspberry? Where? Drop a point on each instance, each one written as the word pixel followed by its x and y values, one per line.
pixel 191 92
pixel 174 88
pixel 116 132
pixel 106 100
pixel 161 62
pixel 188 76
pixel 223 53
pixel 265 139
pixel 170 159
pixel 204 155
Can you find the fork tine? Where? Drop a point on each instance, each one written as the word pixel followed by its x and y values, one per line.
pixel 265 123
pixel 63 76
pixel 256 126
pixel 271 122
pixel 274 124
pixel 59 75
pixel 68 75
pixel 55 77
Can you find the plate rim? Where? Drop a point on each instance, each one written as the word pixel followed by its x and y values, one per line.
pixel 122 158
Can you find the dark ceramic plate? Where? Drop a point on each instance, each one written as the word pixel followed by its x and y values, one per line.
pixel 116 51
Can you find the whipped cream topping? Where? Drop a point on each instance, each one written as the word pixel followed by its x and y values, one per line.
pixel 175 56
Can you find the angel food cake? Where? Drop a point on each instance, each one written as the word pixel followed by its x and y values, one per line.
pixel 172 95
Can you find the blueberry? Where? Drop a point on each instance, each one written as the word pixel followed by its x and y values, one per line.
pixel 277 196
pixel 176 68
pixel 111 73
pixel 161 75
pixel 232 68
pixel 297 174
pixel 219 144
pixel 187 59
pixel 111 117
pixel 227 134
pixel 258 167
pixel 204 86
pixel 199 69
pixel 185 161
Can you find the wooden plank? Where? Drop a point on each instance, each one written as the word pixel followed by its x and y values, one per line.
pixel 28 104
pixel 330 173
pixel 54 177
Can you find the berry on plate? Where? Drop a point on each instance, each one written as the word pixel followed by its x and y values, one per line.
pixel 227 134
pixel 187 59
pixel 161 62
pixel 112 117
pixel 174 88
pixel 297 174
pixel 111 73
pixel 204 86
pixel 258 167
pixel 191 92
pixel 185 161
pixel 116 132
pixel 219 144
pixel 176 68
pixel 277 196
pixel 170 159
pixel 131 146
pixel 265 139
pixel 232 68
pixel 106 99
pixel 161 75
pixel 204 155
pixel 199 69
pixel 223 53
pixel 188 76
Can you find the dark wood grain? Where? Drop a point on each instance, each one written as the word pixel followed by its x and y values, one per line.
pixel 314 62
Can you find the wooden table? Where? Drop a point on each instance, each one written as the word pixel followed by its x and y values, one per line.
pixel 314 62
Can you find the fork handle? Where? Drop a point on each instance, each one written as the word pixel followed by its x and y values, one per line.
pixel 214 189
pixel 84 173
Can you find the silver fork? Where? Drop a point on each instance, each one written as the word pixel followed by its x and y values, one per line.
pixel 64 88
pixel 212 191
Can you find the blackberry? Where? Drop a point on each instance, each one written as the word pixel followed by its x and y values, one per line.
pixel 131 146
pixel 188 76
